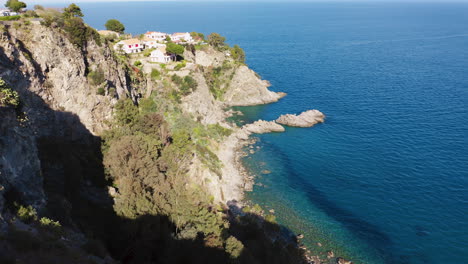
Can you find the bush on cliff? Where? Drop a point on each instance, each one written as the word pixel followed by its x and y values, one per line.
pixel 8 97
pixel 96 77
pixel 238 54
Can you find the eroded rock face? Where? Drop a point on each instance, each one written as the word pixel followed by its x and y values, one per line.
pixel 208 56
pixel 305 119
pixel 46 69
pixel 246 88
pixel 262 127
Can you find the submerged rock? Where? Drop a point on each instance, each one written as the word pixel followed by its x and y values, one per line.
pixel 305 119
pixel 343 261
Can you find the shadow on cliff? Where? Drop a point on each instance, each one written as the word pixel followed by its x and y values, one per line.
pixel 76 190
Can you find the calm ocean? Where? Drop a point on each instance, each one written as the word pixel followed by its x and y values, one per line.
pixel 384 179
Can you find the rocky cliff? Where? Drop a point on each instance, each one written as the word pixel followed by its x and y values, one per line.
pixel 50 145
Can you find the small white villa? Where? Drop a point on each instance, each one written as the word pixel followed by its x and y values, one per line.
pixel 152 43
pixel 7 12
pixel 132 45
pixel 182 37
pixel 160 55
pixel 158 36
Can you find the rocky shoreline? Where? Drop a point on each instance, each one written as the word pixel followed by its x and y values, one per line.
pixel 241 180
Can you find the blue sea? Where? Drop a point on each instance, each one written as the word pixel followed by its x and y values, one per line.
pixel 385 178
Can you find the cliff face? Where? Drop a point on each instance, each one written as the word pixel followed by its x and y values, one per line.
pixel 50 72
pixel 50 148
pixel 246 88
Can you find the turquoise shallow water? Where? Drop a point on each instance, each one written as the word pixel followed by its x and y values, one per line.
pixel 384 179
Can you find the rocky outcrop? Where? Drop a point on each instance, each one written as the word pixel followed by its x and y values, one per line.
pixel 262 127
pixel 305 119
pixel 202 104
pixel 208 56
pixel 246 88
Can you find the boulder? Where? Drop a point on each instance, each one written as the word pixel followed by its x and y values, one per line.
pixel 305 119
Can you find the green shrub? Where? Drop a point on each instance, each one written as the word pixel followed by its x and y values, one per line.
pixel 180 65
pixel 270 218
pixel 238 54
pixel 234 247
pixel 176 79
pixel 100 91
pixel 190 82
pixel 8 97
pixel 147 105
pixel 137 63
pixel 126 112
pixel 26 214
pixel 96 77
pixel 51 225
pixel 155 74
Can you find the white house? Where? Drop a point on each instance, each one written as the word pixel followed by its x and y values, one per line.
pixel 160 55
pixel 129 45
pixel 158 36
pixel 152 43
pixel 182 37
pixel 4 12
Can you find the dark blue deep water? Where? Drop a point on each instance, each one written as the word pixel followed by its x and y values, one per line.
pixel 384 179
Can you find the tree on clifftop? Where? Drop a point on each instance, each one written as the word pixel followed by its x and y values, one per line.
pixel 115 25
pixel 72 11
pixel 175 48
pixel 216 40
pixel 15 5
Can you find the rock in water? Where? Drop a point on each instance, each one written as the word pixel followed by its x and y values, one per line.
pixel 261 127
pixel 305 119
pixel 343 261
